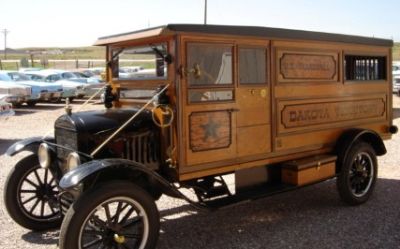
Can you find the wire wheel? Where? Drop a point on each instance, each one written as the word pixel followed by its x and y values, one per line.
pixel 117 223
pixel 358 173
pixel 37 193
pixel 361 174
pixel 112 215
pixel 30 195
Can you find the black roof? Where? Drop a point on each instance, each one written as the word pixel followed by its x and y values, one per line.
pixel 263 32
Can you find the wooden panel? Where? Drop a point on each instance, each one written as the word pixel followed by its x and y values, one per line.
pixel 211 137
pixel 254 140
pixel 302 115
pixel 299 65
pixel 210 130
pixel 317 139
pixel 253 104
pixel 303 66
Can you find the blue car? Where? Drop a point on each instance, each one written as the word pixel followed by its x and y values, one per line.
pixel 41 91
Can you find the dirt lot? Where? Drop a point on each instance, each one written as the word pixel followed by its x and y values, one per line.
pixel 311 217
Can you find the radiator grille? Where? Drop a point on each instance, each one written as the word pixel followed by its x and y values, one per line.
pixel 67 139
pixel 142 148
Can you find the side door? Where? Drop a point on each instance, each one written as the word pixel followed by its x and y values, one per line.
pixel 253 102
pixel 209 107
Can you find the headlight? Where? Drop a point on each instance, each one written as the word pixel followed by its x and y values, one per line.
pixel 44 155
pixel 73 160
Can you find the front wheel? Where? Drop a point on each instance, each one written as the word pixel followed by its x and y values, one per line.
pixel 30 195
pixel 113 215
pixel 358 173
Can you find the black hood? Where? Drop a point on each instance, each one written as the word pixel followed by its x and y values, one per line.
pixel 97 122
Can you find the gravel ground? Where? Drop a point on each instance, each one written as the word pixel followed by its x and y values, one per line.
pixel 312 217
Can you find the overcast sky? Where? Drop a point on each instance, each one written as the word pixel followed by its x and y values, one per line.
pixel 60 23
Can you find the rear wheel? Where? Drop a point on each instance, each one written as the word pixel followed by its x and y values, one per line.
pixel 30 195
pixel 357 176
pixel 112 215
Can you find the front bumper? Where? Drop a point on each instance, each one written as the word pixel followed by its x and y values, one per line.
pixel 15 100
pixel 68 93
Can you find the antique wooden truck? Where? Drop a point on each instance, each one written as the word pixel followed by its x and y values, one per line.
pixel 188 104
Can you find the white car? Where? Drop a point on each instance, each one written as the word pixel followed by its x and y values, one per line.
pixel 6 109
pixel 396 77
pixel 15 93
pixel 71 89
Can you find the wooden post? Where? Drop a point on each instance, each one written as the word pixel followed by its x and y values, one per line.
pixel 76 63
pixel 32 62
pixel 1 65
pixel 17 65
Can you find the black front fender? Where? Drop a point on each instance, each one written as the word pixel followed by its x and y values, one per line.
pixel 84 171
pixel 79 174
pixel 28 144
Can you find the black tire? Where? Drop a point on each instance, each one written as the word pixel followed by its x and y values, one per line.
pixel 30 196
pixel 71 99
pixel 31 103
pixel 357 177
pixel 82 219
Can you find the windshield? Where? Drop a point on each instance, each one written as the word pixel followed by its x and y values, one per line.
pixel 140 63
pixel 5 77
pixel 18 77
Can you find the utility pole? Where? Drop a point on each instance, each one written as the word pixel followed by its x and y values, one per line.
pixel 5 32
pixel 205 12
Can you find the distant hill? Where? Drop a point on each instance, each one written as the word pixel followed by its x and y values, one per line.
pixel 90 53
pixel 56 53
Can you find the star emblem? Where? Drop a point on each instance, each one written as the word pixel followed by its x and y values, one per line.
pixel 210 129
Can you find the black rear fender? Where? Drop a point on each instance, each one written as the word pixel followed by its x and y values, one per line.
pixel 353 136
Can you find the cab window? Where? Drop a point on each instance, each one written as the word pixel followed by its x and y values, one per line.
pixel 252 65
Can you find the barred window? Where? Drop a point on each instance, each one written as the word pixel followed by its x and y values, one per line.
pixel 365 67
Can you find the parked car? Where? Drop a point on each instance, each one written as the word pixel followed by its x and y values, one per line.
pixel 41 91
pixel 71 89
pixel 92 85
pixel 16 93
pixel 396 84
pixel 6 109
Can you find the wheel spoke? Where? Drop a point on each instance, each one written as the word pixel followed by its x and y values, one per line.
pixel 31 183
pixel 108 216
pixel 92 232
pixel 133 222
pixel 126 216
pixel 38 177
pixel 132 235
pixel 115 218
pixel 46 172
pixel 27 191
pixel 99 222
pixel 42 208
pixel 92 243
pixel 28 200
pixel 34 206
